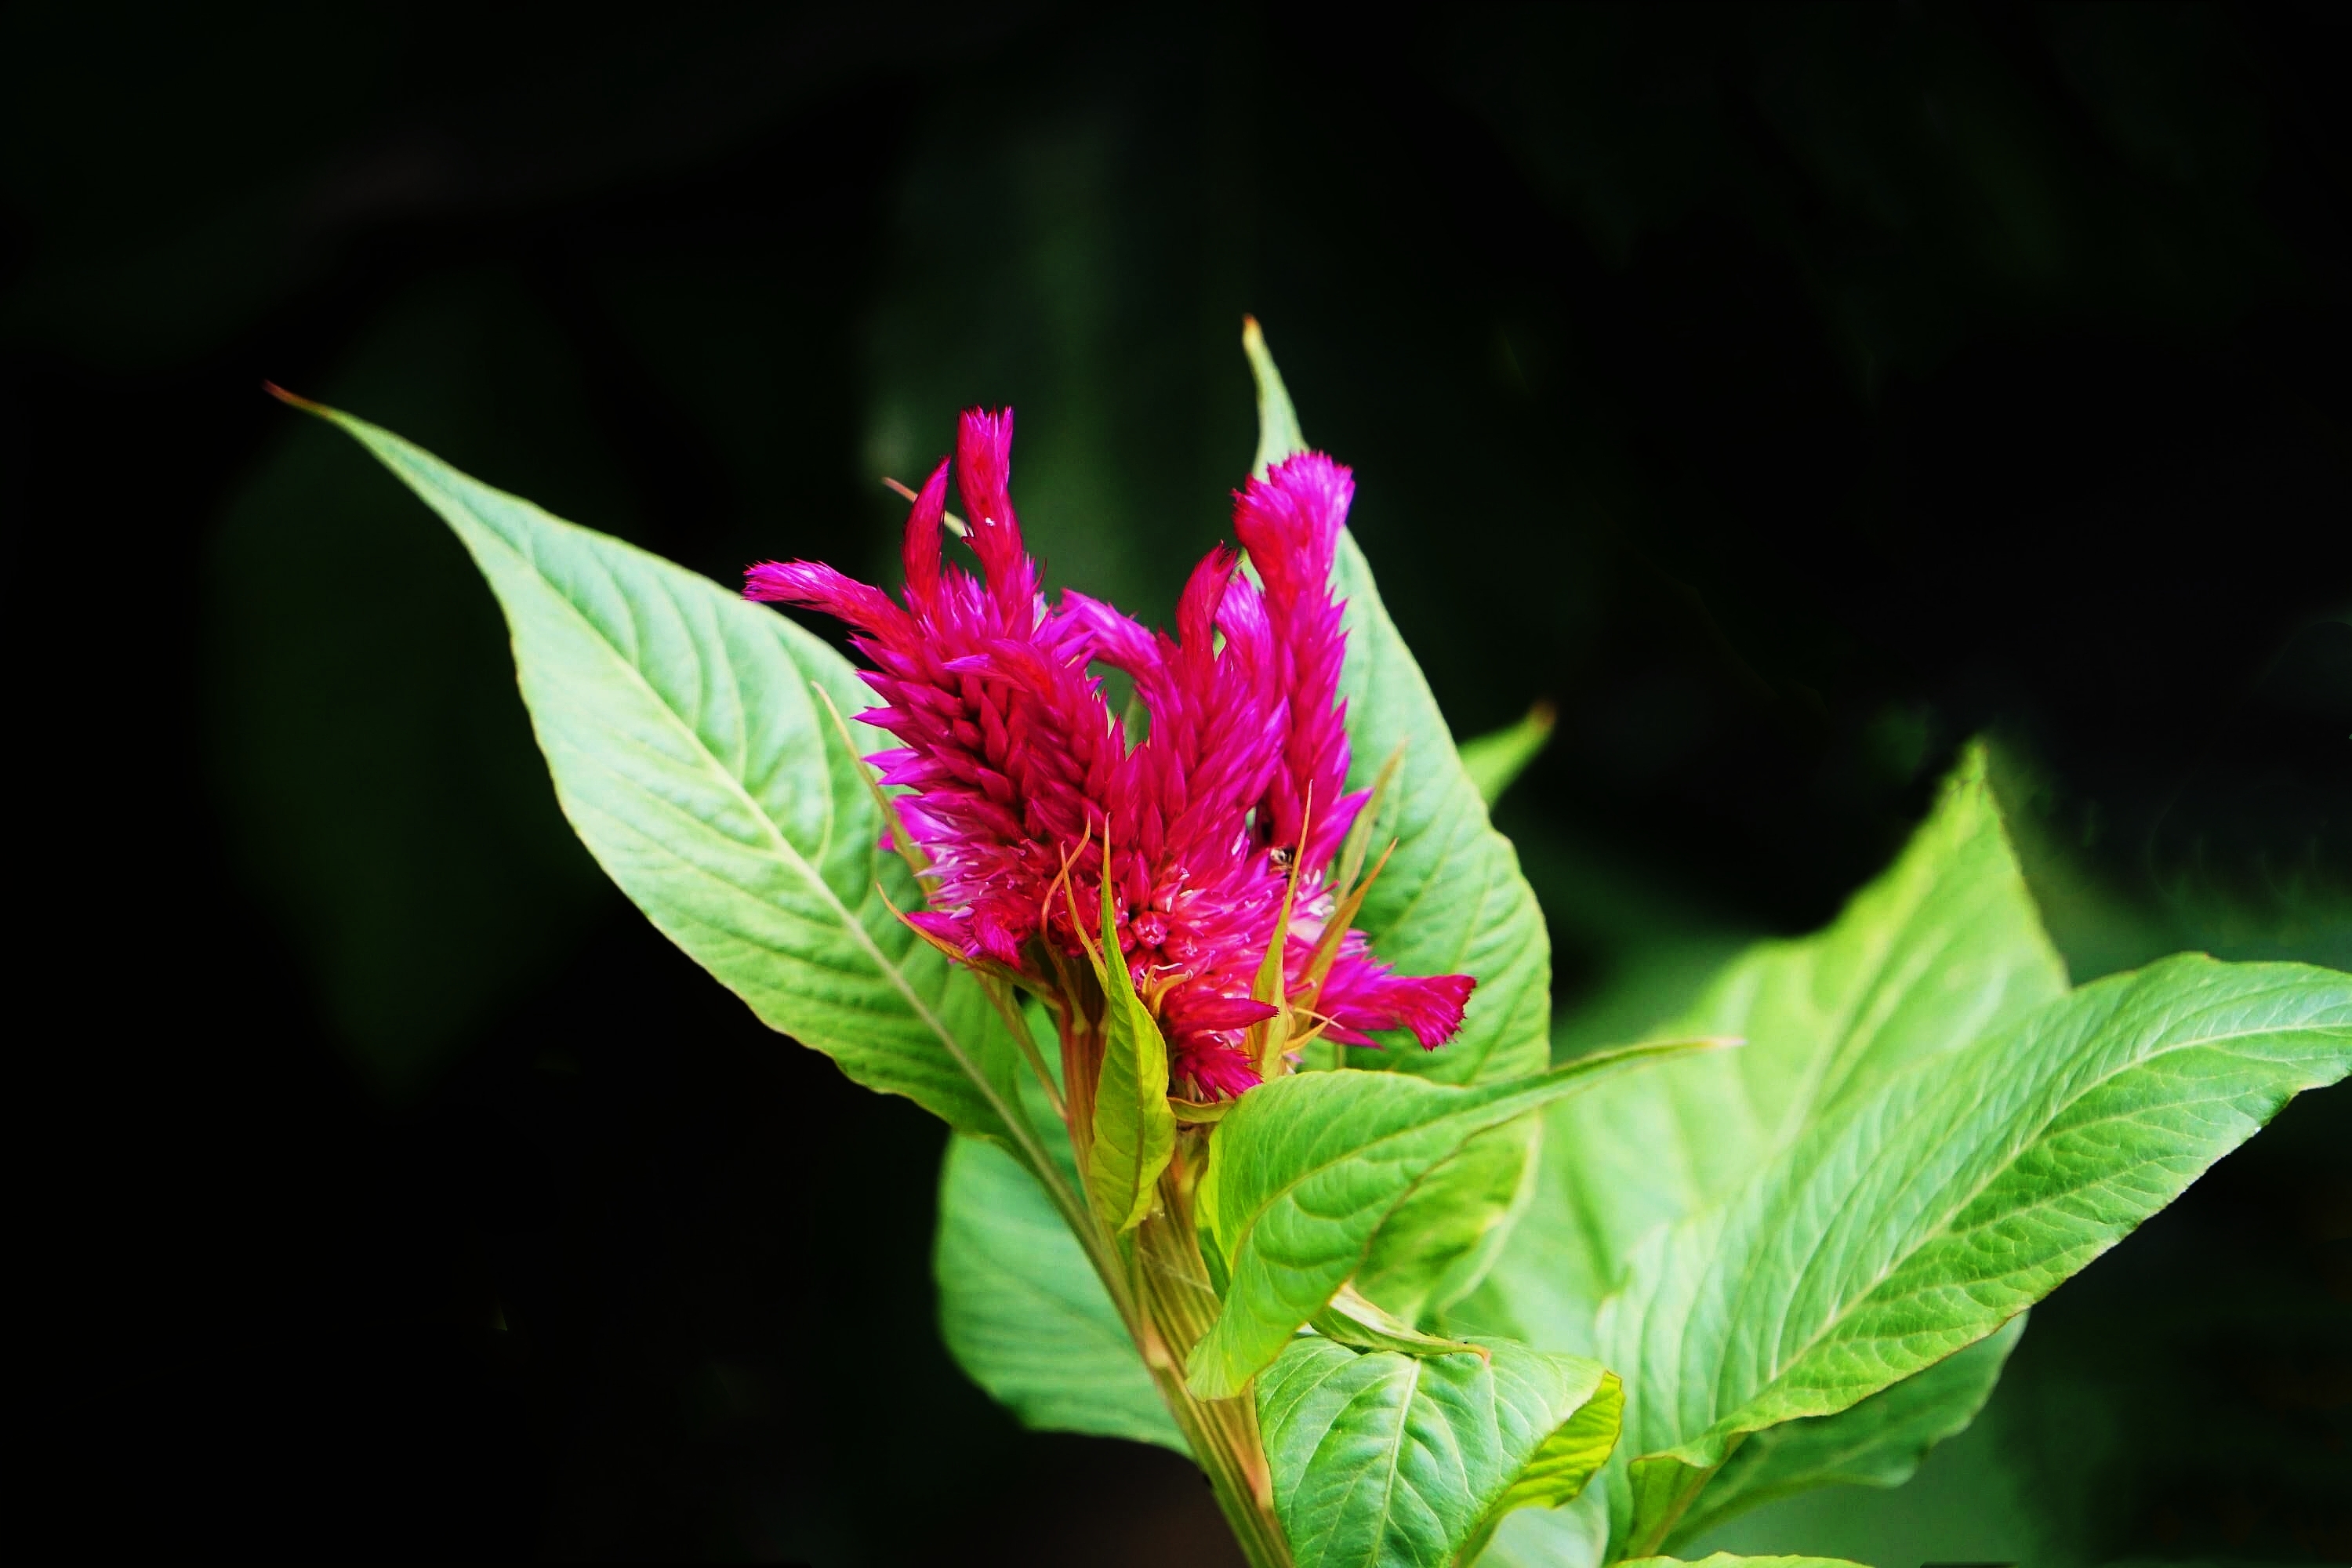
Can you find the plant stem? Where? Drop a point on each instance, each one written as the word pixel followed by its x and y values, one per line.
pixel 1177 1305
pixel 1158 1282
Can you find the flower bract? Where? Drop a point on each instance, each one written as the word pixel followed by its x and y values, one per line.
pixel 1217 829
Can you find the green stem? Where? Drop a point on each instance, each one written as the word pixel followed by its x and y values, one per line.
pixel 1162 1294
pixel 1171 1285
pixel 1007 1004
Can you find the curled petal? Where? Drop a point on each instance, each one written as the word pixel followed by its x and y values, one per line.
pixel 1116 640
pixel 996 936
pixel 820 587
pixel 1197 608
pixel 948 927
pixel 1241 615
pixel 1362 994
pixel 920 554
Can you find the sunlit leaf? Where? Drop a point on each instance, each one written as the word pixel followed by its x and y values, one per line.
pixel 1306 1169
pixel 1355 1319
pixel 1877 1443
pixel 1134 1132
pixel 692 756
pixel 1451 1227
pixel 1387 1460
pixel 1942 947
pixel 1914 1221
pixel 1566 1462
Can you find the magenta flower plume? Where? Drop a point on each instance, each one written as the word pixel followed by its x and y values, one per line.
pixel 1021 790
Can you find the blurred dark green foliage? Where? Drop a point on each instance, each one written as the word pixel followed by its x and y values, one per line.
pixel 1784 393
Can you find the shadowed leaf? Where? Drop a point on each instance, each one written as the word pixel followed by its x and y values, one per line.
pixel 1877 1443
pixel 1022 1313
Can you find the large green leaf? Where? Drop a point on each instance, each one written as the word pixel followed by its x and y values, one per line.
pixel 1386 1461
pixel 1576 1536
pixel 1451 900
pixel 1451 1229
pixel 1304 1171
pixel 1877 1443
pixel 1024 1313
pixel 1565 1462
pixel 691 754
pixel 1914 1221
pixel 1941 948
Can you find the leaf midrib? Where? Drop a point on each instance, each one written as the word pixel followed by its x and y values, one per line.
pixel 1845 1020
pixel 790 856
pixel 1943 1226
pixel 1395 1452
pixel 1249 1228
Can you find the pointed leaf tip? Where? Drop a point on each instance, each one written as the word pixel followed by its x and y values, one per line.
pixel 1495 760
pixel 293 400
pixel 1277 422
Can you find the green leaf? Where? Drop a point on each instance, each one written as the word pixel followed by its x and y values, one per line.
pixel 1916 1221
pixel 1451 1229
pixel 1134 1132
pixel 1943 947
pixel 1572 1537
pixel 1278 434
pixel 1304 1171
pixel 1727 1560
pixel 1351 1319
pixel 1023 1312
pixel 1383 1460
pixel 1451 900
pixel 692 756
pixel 1495 758
pixel 1566 1462
pixel 1877 1443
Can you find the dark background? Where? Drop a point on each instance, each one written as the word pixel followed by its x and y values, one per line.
pixel 1786 394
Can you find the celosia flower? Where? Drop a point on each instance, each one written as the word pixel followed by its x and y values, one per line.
pixel 1022 792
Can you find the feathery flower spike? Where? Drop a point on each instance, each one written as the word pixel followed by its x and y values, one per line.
pixel 1021 787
